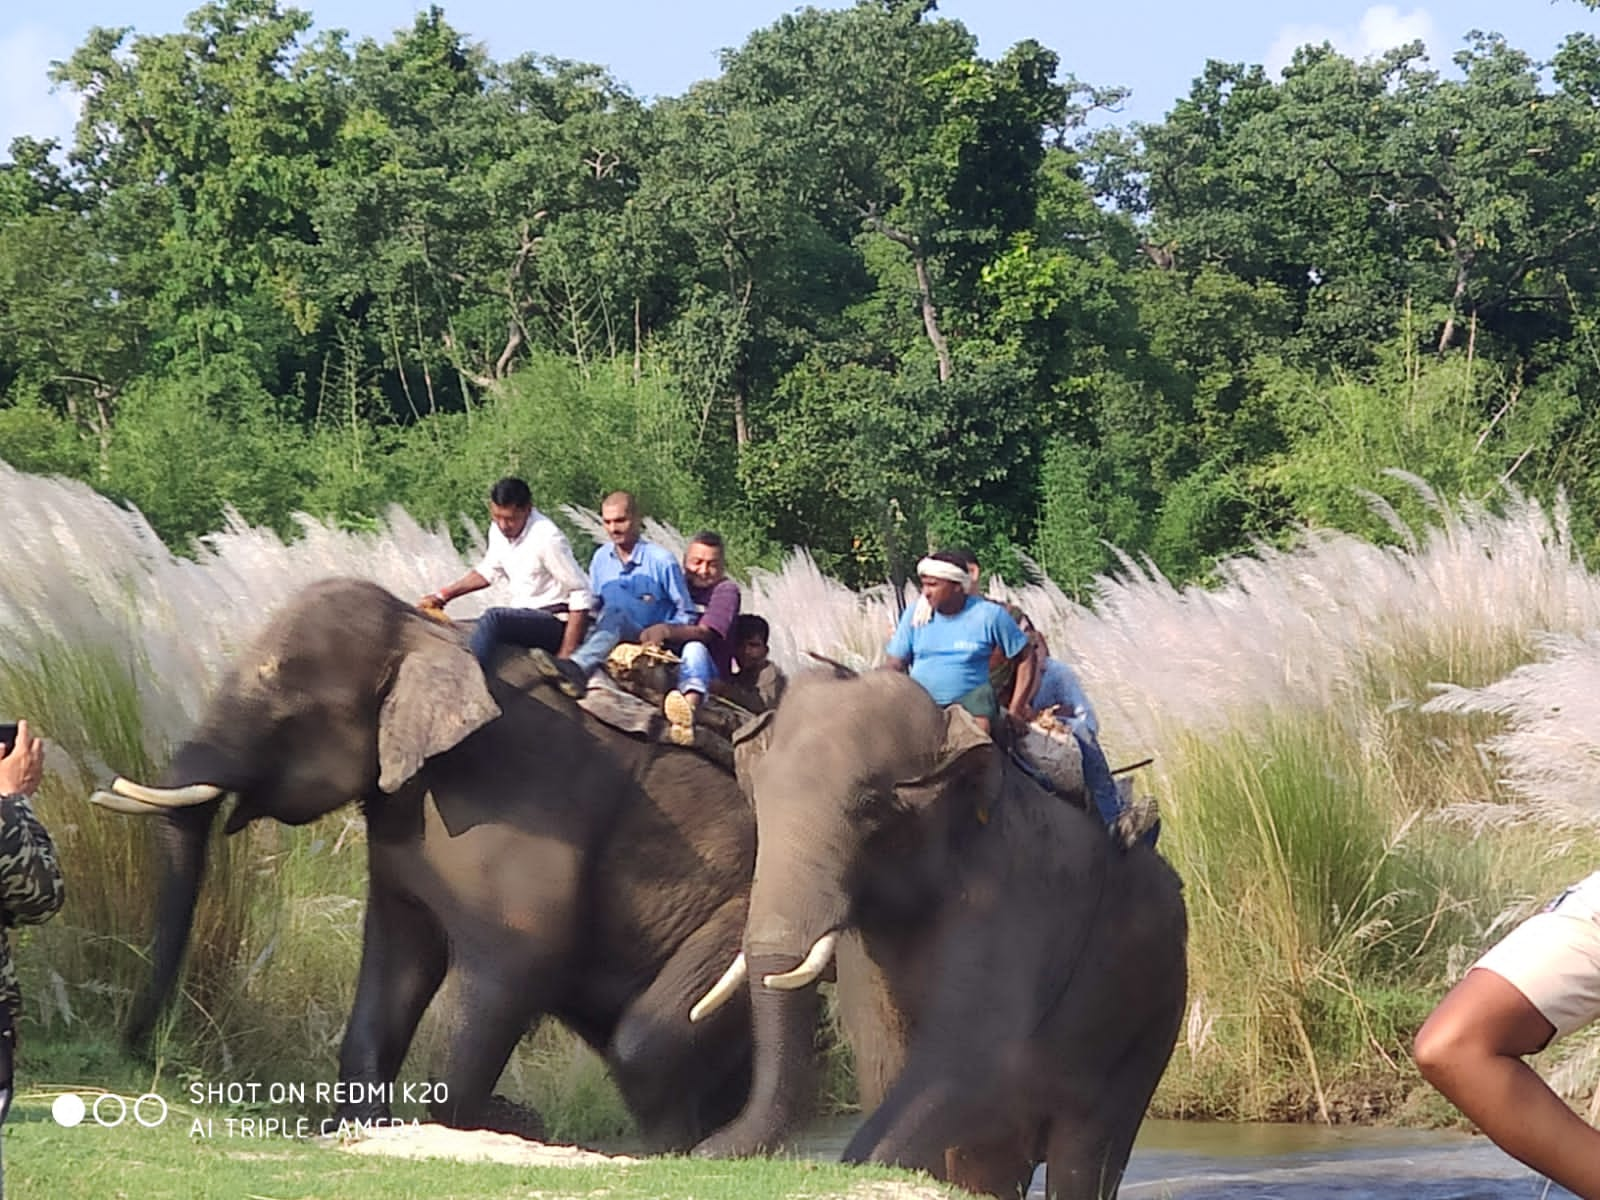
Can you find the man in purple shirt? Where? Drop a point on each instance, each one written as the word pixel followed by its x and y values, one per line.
pixel 706 647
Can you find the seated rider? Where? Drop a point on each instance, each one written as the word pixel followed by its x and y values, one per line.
pixel 1060 690
pixel 550 599
pixel 706 646
pixel 757 682
pixel 637 583
pixel 949 654
pixel 1056 686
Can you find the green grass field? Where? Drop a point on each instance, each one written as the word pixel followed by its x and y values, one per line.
pixel 215 1152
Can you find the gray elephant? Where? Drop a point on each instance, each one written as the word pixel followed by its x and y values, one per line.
pixel 540 860
pixel 1011 982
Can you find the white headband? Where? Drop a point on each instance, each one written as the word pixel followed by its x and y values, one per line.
pixel 937 568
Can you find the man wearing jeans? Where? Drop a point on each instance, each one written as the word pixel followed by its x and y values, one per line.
pixel 706 647
pixel 637 583
pixel 530 554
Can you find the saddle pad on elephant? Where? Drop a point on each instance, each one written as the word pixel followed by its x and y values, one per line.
pixel 1047 750
pixel 650 672
pixel 632 714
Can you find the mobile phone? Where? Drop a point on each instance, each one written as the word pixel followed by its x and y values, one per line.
pixel 8 735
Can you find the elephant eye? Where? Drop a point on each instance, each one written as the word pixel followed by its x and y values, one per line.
pixel 873 807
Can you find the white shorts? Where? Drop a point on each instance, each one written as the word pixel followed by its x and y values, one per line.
pixel 1553 958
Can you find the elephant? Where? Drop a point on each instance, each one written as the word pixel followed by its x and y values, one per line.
pixel 537 860
pixel 1010 979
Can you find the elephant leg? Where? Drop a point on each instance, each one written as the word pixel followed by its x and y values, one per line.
pixel 1003 1167
pixel 402 961
pixel 1089 1149
pixel 489 1012
pixel 918 1120
pixel 682 1080
pixel 1085 1159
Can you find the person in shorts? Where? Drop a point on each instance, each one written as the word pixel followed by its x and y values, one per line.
pixel 1541 982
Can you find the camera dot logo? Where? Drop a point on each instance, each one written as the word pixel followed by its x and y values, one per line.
pixel 109 1110
pixel 68 1109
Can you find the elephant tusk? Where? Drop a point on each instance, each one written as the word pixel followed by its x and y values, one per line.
pixel 122 804
pixel 184 797
pixel 722 990
pixel 806 973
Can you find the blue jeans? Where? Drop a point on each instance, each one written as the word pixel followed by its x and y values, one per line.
pixel 697 670
pixel 1097 780
pixel 527 627
pixel 613 625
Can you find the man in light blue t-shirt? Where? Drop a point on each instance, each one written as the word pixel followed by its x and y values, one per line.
pixel 949 655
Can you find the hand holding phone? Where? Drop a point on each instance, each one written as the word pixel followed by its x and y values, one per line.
pixel 22 764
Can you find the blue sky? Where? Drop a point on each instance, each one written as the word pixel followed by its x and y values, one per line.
pixel 1156 47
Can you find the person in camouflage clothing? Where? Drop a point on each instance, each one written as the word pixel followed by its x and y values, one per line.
pixel 31 889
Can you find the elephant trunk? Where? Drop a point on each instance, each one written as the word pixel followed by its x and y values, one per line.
pixel 796 908
pixel 784 1076
pixel 181 840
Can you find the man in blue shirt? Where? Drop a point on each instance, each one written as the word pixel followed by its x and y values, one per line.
pixel 637 583
pixel 949 654
pixel 1059 689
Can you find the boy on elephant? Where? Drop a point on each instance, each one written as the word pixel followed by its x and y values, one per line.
pixel 948 654
pixel 638 584
pixel 758 683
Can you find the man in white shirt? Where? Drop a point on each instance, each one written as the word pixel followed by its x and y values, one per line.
pixel 532 556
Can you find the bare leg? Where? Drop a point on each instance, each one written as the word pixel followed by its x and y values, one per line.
pixel 1471 1049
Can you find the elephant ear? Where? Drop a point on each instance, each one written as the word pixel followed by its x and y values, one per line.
pixel 967 757
pixel 437 698
pixel 750 742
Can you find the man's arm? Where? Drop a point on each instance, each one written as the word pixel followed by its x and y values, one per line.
pixel 472 581
pixel 564 569
pixel 716 622
pixel 1014 644
pixel 31 888
pixel 666 634
pixel 1023 685
pixel 897 655
pixel 678 592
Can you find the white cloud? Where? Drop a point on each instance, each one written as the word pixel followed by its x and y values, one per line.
pixel 27 105
pixel 1382 27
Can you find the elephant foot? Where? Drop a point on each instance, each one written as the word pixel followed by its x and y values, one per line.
pixel 734 1142
pixel 503 1115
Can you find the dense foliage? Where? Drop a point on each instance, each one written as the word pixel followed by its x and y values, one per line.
pixel 864 290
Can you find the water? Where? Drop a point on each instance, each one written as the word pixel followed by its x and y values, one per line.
pixel 1196 1160
pixel 1205 1161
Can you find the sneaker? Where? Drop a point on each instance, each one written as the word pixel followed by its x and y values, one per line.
pixel 563 672
pixel 1138 822
pixel 679 710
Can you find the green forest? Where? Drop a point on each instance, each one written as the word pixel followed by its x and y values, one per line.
pixel 864 291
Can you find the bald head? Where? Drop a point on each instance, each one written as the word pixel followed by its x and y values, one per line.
pixel 619 513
